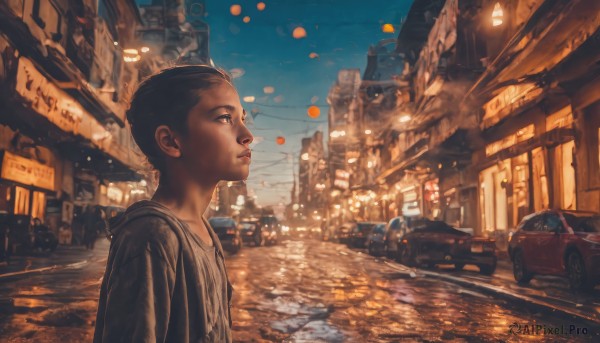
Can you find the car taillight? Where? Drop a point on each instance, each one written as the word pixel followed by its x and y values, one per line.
pixel 405 241
pixel 230 231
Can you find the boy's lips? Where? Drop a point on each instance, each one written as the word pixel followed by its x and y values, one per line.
pixel 246 153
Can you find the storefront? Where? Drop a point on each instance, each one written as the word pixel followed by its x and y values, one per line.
pixel 25 185
pixel 527 172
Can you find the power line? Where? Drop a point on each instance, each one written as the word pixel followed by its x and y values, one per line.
pixel 292 119
pixel 289 106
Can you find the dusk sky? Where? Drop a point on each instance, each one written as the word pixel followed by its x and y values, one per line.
pixel 263 53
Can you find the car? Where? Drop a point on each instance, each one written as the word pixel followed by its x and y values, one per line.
pixel 376 240
pixel 250 231
pixel 270 228
pixel 229 235
pixel 359 234
pixel 436 242
pixel 343 233
pixel 558 242
pixel 395 229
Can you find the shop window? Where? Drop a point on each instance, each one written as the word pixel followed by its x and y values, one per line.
pixel 21 200
pixel 541 199
pixel 38 207
pixel 4 198
pixel 493 197
pixel 566 175
pixel 520 190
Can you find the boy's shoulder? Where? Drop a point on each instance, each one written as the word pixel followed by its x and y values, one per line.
pixel 146 234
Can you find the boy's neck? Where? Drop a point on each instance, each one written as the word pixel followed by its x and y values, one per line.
pixel 188 201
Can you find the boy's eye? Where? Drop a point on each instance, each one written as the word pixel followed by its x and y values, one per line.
pixel 226 118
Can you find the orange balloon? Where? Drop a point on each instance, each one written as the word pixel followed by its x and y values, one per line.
pixel 261 6
pixel 235 10
pixel 280 140
pixel 387 28
pixel 299 32
pixel 314 111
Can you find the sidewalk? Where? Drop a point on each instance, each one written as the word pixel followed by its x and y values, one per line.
pixel 64 256
pixel 544 293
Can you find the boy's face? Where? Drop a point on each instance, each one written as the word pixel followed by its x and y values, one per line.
pixel 216 146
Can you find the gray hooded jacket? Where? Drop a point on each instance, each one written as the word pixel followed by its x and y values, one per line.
pixel 160 284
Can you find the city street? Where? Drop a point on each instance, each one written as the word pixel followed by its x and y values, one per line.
pixel 304 291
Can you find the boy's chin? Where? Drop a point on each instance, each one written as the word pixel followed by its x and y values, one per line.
pixel 237 177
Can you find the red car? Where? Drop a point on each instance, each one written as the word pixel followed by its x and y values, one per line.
pixel 436 242
pixel 558 242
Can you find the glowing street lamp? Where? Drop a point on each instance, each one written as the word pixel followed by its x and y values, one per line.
pixel 497 15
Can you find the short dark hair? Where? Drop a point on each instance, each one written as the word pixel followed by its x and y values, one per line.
pixel 166 98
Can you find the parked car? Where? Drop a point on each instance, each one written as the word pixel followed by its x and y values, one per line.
pixel 250 231
pixel 376 240
pixel 270 229
pixel 439 243
pixel 343 233
pixel 396 228
pixel 229 235
pixel 360 232
pixel 558 242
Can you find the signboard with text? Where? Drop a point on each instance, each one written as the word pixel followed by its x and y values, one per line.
pixel 26 171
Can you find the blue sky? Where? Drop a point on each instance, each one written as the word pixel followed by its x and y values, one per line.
pixel 263 49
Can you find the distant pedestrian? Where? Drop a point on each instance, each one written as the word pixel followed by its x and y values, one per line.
pixel 165 277
pixel 90 228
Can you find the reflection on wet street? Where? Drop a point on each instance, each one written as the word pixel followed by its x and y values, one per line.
pixel 309 291
pixel 298 291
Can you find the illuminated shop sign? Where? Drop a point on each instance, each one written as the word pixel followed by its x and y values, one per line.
pixel 26 171
pixel 57 106
pixel 509 100
pixel 521 135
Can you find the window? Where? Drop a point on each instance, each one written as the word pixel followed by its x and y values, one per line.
pixel 552 223
pixel 21 200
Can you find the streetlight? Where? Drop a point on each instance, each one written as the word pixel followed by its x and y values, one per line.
pixel 497 15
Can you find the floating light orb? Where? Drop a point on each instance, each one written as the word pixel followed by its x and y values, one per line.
pixel 387 28
pixel 235 10
pixel 313 55
pixel 299 32
pixel 261 6
pixel 249 98
pixel 246 19
pixel 314 111
pixel 280 140
pixel 269 90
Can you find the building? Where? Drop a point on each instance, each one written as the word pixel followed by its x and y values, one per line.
pixel 312 177
pixel 540 117
pixel 68 68
pixel 498 118
pixel 343 144
pixel 64 138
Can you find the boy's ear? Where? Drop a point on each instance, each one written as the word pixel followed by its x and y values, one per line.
pixel 167 142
